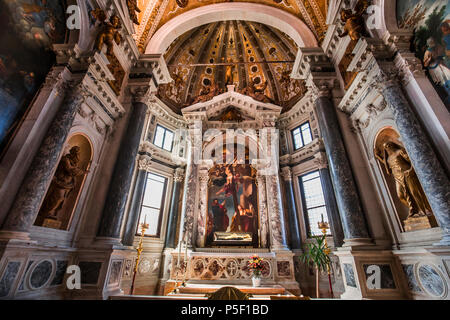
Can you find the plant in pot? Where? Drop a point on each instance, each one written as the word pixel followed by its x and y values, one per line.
pixel 316 255
pixel 256 266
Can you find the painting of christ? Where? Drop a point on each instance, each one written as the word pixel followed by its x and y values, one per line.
pixel 232 205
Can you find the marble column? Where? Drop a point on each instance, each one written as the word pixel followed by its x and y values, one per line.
pixel 330 200
pixel 189 197
pixel 294 228
pixel 203 178
pixel 262 205
pixel 347 197
pixel 276 215
pixel 429 170
pixel 33 188
pixel 116 199
pixel 174 212
pixel 135 209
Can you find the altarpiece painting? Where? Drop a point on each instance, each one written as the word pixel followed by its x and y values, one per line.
pixel 232 204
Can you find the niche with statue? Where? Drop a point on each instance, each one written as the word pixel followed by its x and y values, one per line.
pixel 63 194
pixel 412 207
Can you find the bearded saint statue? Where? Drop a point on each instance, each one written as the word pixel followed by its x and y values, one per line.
pixel 63 183
pixel 409 190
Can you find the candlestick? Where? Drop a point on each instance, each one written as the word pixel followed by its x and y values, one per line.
pixel 139 249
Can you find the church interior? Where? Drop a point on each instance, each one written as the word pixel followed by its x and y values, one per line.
pixel 219 149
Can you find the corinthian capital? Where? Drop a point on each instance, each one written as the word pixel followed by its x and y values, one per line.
pixel 179 175
pixel 321 86
pixel 286 173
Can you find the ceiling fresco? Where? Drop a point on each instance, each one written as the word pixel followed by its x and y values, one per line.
pixel 256 58
pixel 155 13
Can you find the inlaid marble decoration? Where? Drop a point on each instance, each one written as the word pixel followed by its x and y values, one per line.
pixel 41 274
pixel 90 271
pixel 411 278
pixel 61 267
pixel 386 277
pixel 127 270
pixel 284 268
pixel 349 275
pixel 114 277
pixel 431 280
pixel 22 282
pixel 9 275
pixel 144 266
pixel 223 268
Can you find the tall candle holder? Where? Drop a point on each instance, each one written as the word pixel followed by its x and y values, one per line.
pixel 144 226
pixel 181 266
pixel 324 226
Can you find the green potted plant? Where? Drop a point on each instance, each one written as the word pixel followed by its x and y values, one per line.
pixel 316 254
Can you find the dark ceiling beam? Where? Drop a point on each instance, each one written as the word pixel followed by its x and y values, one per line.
pixel 200 56
pixel 240 50
pixel 267 70
pixel 220 70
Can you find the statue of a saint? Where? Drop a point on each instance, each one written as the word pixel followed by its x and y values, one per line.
pixel 409 191
pixel 354 22
pixel 229 73
pixel 63 183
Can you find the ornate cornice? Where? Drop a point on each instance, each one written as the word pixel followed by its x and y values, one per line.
pixel 320 160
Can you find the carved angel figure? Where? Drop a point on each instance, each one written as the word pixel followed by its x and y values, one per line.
pixel 354 22
pixel 206 93
pixel 109 31
pixel 132 9
pixel 63 182
pixel 396 162
pixel 257 93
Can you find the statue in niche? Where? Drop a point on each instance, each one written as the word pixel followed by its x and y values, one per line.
pixel 354 22
pixel 257 93
pixel 63 183
pixel 132 9
pixel 109 31
pixel 396 162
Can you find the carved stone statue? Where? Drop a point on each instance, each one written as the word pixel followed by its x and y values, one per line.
pixel 257 93
pixel 63 183
pixel 409 191
pixel 229 73
pixel 207 92
pixel 109 31
pixel 354 22
pixel 132 9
